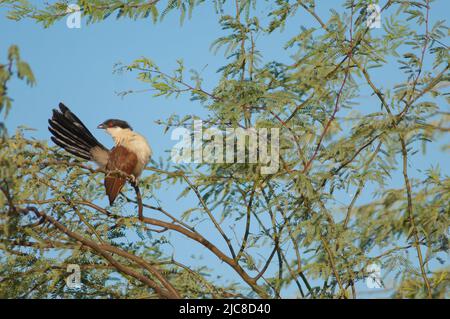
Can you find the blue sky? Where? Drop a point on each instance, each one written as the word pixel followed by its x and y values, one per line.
pixel 75 66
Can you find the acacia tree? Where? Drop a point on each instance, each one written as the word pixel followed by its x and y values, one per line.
pixel 277 232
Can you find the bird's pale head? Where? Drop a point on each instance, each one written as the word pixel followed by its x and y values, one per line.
pixel 118 129
pixel 114 124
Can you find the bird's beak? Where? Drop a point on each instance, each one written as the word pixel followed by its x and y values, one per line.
pixel 101 126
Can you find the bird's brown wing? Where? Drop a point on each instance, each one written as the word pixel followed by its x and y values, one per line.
pixel 121 159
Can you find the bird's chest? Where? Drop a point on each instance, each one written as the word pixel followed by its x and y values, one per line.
pixel 139 146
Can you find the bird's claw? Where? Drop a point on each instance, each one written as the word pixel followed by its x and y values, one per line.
pixel 133 180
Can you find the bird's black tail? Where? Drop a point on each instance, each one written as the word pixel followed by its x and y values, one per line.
pixel 71 134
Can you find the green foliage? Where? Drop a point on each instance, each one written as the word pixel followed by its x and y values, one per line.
pixel 97 10
pixel 14 66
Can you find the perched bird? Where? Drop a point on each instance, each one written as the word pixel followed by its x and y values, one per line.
pixel 130 154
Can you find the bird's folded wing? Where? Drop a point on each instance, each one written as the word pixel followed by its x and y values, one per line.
pixel 121 159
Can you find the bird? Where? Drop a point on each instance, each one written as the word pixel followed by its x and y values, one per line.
pixel 131 152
